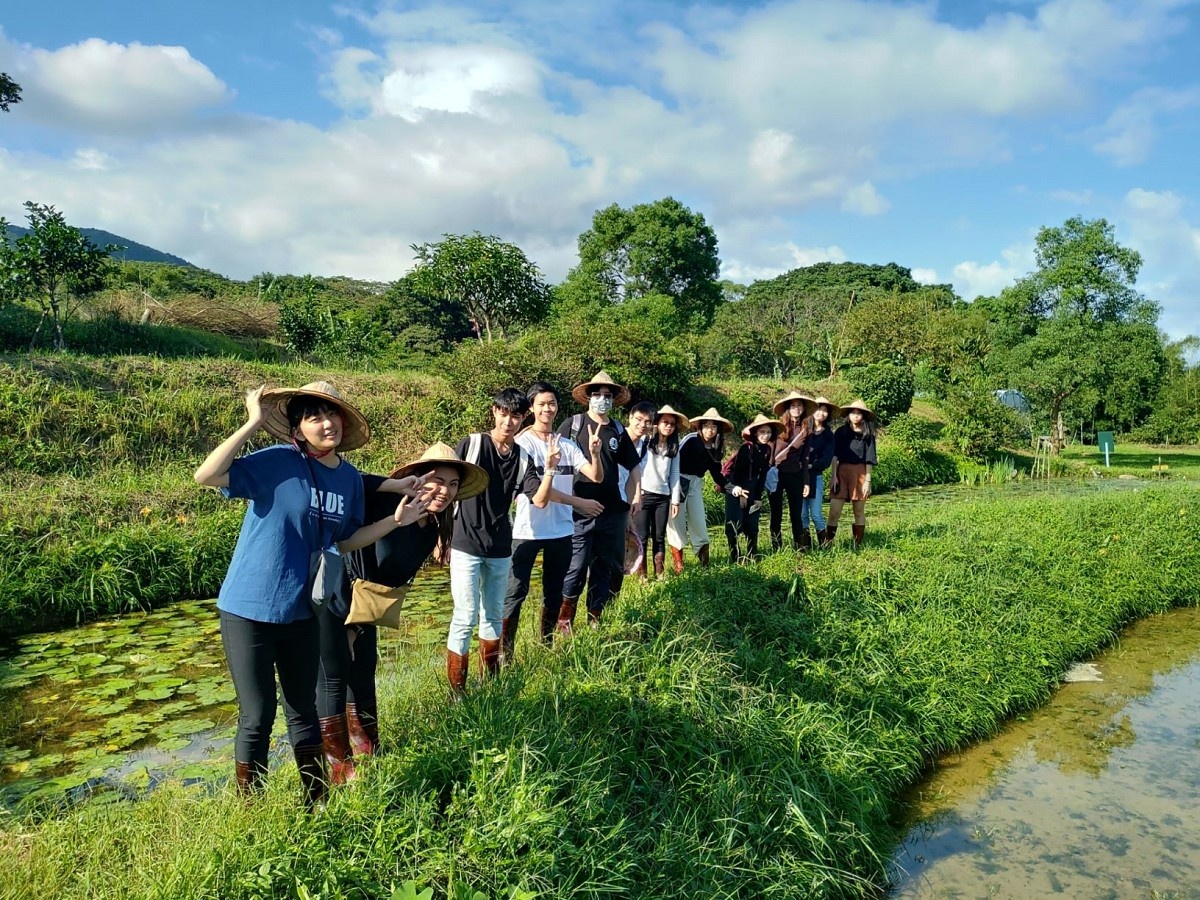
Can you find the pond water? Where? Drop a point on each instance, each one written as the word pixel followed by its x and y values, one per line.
pixel 112 707
pixel 1093 795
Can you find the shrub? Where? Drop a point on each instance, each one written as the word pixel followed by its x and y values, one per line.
pixel 979 424
pixel 903 468
pixel 887 387
pixel 912 432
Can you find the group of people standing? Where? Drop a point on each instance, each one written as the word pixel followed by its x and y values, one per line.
pixel 580 494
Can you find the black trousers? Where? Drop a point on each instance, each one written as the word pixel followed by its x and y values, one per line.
pixel 650 523
pixel 255 652
pixel 556 559
pixel 739 521
pixel 346 677
pixel 597 558
pixel 791 484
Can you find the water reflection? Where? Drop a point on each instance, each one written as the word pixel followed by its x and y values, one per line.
pixel 1093 795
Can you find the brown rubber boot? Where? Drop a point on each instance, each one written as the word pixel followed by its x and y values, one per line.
pixel 248 776
pixel 456 671
pixel 659 564
pixel 362 723
pixel 548 620
pixel 489 658
pixel 858 531
pixel 828 535
pixel 566 617
pixel 677 560
pixel 806 540
pixel 702 555
pixel 310 760
pixel 335 738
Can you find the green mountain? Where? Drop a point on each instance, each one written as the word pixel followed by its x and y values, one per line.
pixel 131 250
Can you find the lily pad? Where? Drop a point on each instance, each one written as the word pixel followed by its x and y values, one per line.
pixel 110 669
pixel 185 726
pixel 86 660
pixel 163 680
pixel 171 744
pixel 155 693
pixel 112 708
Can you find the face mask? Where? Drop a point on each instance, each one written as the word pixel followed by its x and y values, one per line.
pixel 600 405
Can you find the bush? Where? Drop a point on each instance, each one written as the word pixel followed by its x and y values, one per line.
pixel 887 388
pixel 979 424
pixel 912 432
pixel 903 468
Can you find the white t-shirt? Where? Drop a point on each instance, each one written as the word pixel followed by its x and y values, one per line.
pixel 555 520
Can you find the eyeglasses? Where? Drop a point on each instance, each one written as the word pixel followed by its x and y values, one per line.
pixel 606 394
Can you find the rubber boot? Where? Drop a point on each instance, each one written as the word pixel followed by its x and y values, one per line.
pixel 508 639
pixel 566 617
pixel 702 555
pixel 335 738
pixel 640 571
pixel 456 672
pixel 677 560
pixel 659 564
pixel 310 760
pixel 806 540
pixel 362 722
pixel 858 531
pixel 827 536
pixel 489 658
pixel 248 776
pixel 549 617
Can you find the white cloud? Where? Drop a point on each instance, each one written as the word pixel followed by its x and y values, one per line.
pixel 785 257
pixel 864 200
pixel 104 87
pixel 972 279
pixel 1132 129
pixel 1157 228
pixel 926 276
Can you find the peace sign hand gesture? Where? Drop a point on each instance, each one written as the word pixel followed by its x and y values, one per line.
pixel 553 452
pixel 593 440
pixel 411 509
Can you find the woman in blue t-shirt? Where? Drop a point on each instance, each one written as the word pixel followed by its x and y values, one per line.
pixel 303 497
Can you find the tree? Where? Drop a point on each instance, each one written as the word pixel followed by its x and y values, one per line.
pixel 422 324
pixel 10 92
pixel 493 279
pixel 652 248
pixel 51 265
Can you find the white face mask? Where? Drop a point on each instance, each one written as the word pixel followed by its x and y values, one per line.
pixel 600 405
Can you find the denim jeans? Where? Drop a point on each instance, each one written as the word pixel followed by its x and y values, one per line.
pixel 811 510
pixel 478 585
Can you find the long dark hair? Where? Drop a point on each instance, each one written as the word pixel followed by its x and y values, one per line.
pixel 444 519
pixel 672 447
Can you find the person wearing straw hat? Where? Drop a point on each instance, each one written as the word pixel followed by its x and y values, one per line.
pixel 598 542
pixel 543 523
pixel 853 458
pixel 661 493
pixel 747 481
pixel 481 549
pixel 303 498
pixel 420 497
pixel 815 456
pixel 700 452
pixel 793 410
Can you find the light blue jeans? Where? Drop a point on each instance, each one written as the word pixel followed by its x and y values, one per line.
pixel 810 510
pixel 478 586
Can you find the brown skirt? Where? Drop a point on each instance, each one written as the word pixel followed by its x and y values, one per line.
pixel 852 482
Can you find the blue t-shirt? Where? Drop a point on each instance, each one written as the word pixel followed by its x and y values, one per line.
pixel 269 571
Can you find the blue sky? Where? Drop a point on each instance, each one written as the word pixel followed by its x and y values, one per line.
pixel 330 137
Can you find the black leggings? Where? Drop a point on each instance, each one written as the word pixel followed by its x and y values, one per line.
pixel 556 559
pixel 343 678
pixel 651 520
pixel 791 484
pixel 255 651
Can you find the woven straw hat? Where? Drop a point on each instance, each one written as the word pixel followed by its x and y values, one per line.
pixel 474 478
pixel 681 421
pixel 711 415
pixel 834 409
pixel 781 406
pixel 861 407
pixel 355 430
pixel 759 421
pixel 601 379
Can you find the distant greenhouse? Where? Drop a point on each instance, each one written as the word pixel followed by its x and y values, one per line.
pixel 1014 400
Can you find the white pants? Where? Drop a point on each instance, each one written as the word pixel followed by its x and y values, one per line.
pixel 690 521
pixel 478 586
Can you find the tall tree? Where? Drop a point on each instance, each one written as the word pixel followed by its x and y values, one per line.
pixel 51 265
pixel 493 279
pixel 651 248
pixel 10 92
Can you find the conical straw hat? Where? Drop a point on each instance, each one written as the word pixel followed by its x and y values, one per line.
pixel 601 379
pixel 355 430
pixel 474 478
pixel 711 415
pixel 681 421
pixel 861 407
pixel 761 420
pixel 781 406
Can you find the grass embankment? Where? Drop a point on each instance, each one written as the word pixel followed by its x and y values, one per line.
pixel 732 733
pixel 98 512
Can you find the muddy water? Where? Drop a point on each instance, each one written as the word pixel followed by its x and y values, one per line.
pixel 1094 795
pixel 111 708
